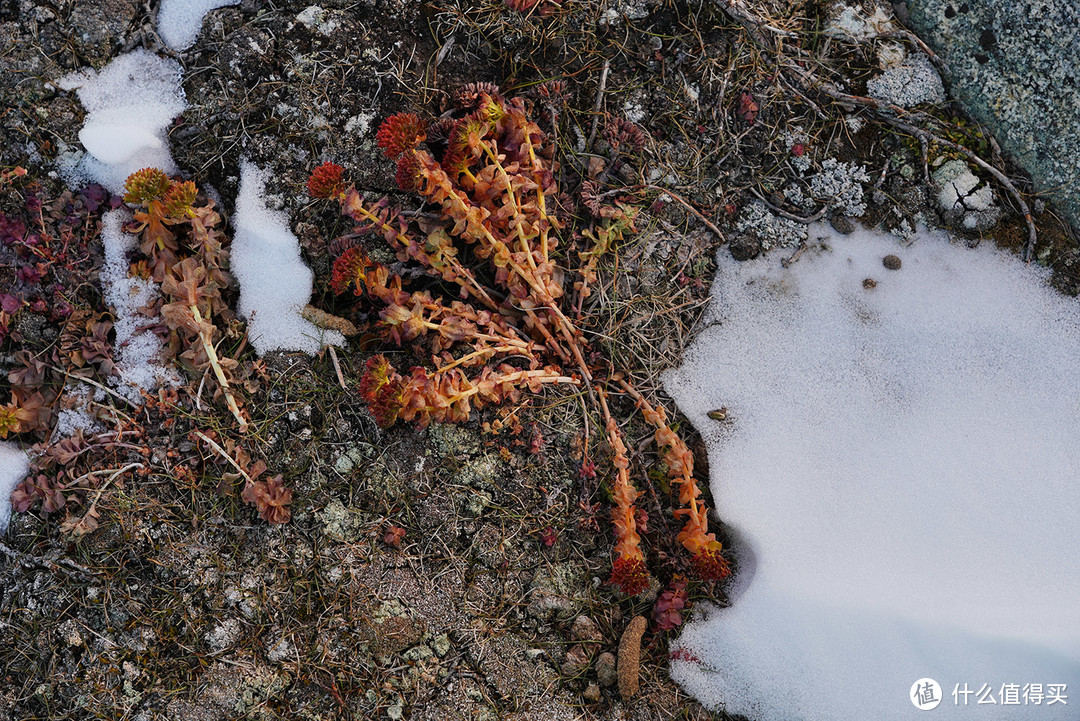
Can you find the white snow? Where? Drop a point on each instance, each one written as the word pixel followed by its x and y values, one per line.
pixel 129 106
pixel 275 284
pixel 179 21
pixel 902 463
pixel 14 464
pixel 138 350
pixel 75 413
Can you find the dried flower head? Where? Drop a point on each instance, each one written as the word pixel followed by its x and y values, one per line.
pixel 145 185
pixel 399 133
pixel 179 199
pixel 708 564
pixel 382 388
pixel 624 136
pixel 349 270
pixel 469 97
pixel 408 175
pixel 326 181
pixel 629 574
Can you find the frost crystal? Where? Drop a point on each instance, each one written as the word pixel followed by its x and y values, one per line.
pixel 14 465
pixel 138 348
pixel 179 21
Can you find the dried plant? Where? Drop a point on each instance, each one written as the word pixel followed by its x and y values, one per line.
pixel 493 234
pixel 193 285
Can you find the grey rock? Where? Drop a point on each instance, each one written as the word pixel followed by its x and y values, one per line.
pixel 745 247
pixel 966 203
pixel 1013 66
pixel 585 629
pixel 97 26
pixel 605 669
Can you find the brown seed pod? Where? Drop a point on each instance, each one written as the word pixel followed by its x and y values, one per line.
pixel 630 657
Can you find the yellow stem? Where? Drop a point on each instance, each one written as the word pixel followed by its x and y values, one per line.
pixel 476 291
pixel 211 354
pixel 513 205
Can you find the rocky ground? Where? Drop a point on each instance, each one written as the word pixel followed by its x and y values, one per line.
pixel 493 604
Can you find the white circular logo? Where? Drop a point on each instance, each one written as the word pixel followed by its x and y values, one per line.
pixel 925 694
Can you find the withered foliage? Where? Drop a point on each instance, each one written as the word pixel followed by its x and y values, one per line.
pixel 47 245
pixel 493 231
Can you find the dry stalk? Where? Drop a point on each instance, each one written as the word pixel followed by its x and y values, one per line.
pixel 205 329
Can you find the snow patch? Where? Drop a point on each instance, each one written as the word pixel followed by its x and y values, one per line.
pixel 900 460
pixel 129 107
pixel 14 465
pixel 138 349
pixel 179 21
pixel 275 284
pixel 75 413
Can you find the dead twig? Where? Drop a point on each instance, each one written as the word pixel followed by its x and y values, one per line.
pixel 598 104
pixel 684 203
pixel 790 216
pixel 886 112
pixel 224 454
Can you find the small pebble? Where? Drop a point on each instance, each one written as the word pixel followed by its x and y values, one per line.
pixel 842 224
pixel 592 693
pixel 869 283
pixel 745 247
pixel 891 262
pixel 577 658
pixel 605 669
pixel 585 629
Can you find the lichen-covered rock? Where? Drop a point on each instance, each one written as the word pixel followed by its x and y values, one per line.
pixel 1013 65
pixel 966 203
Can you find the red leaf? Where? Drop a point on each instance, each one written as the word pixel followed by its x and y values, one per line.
pixel 748 108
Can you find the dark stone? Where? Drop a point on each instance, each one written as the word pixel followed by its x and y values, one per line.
pixel 891 262
pixel 745 247
pixel 869 283
pixel 842 224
